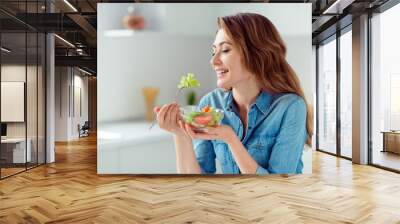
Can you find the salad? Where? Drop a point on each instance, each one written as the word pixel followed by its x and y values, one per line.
pixel 207 117
pixel 188 81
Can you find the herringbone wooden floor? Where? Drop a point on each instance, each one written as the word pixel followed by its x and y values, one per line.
pixel 70 191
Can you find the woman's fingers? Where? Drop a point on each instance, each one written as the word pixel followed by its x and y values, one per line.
pixel 180 123
pixel 156 109
pixel 161 115
pixel 210 130
pixel 189 130
pixel 168 115
pixel 198 135
pixel 173 114
pixel 178 114
pixel 178 117
pixel 182 126
pixel 206 136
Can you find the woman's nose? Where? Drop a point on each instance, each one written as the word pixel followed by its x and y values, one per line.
pixel 215 60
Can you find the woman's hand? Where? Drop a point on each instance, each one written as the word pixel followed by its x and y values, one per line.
pixel 222 132
pixel 168 117
pixel 244 160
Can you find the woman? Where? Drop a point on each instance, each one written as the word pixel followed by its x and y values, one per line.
pixel 266 122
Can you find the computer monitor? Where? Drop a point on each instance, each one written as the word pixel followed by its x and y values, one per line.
pixel 3 129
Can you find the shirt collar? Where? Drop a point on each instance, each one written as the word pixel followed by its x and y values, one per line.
pixel 229 101
pixel 263 101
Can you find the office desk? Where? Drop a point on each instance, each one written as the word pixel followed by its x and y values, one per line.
pixel 391 141
pixel 16 147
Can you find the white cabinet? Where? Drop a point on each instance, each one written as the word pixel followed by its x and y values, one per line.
pixel 131 148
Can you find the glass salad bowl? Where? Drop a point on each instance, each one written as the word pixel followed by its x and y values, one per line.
pixel 201 119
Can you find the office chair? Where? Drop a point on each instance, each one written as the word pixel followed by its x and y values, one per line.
pixel 84 130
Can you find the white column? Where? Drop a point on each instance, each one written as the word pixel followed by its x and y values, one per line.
pixel 50 99
pixel 360 90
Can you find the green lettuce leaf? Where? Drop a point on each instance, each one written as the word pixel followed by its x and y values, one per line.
pixel 188 81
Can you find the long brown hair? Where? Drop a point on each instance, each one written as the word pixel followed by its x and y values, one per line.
pixel 264 54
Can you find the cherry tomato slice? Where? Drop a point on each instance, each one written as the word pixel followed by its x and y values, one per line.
pixel 203 119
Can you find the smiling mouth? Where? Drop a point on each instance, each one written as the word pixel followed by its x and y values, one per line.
pixel 221 72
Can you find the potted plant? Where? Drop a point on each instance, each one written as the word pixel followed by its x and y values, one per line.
pixel 191 98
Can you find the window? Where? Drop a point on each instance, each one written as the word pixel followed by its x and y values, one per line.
pixel 327 97
pixel 346 75
pixel 385 89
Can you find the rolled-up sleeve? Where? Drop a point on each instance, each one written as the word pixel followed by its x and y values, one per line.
pixel 205 155
pixel 288 148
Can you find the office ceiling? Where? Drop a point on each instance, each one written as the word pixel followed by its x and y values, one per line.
pixel 77 22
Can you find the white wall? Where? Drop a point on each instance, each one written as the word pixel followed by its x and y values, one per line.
pixel 61 103
pixel 12 101
pixel 80 83
pixel 67 82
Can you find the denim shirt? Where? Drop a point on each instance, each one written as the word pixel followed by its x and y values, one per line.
pixel 275 134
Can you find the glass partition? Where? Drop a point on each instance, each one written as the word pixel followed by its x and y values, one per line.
pixel 13 105
pixel 22 77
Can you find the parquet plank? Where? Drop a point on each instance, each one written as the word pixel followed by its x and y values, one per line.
pixel 70 191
